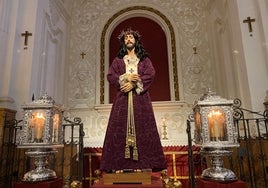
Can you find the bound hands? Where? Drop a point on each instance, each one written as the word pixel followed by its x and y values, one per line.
pixel 130 84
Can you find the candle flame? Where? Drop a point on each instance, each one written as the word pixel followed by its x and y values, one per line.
pixel 39 122
pixel 40 115
pixel 214 113
pixel 216 122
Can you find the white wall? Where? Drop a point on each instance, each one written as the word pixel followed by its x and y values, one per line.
pixel 240 55
pixel 254 50
pixel 40 67
pixel 17 61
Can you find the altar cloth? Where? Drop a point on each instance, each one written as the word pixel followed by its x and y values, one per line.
pixel 200 183
pixel 56 183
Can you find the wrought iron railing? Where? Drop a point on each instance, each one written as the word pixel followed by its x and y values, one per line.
pixel 250 160
pixel 8 153
pixel 68 162
pixel 72 164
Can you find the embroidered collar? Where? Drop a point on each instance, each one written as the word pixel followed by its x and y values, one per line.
pixel 131 59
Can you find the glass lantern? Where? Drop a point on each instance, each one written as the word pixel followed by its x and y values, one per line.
pixel 42 134
pixel 215 133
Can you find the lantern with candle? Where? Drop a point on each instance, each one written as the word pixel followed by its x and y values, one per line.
pixel 215 134
pixel 42 134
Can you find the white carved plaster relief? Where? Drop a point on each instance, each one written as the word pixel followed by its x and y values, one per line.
pixel 60 10
pixel 88 20
pixel 51 49
pixel 54 14
pixel 50 60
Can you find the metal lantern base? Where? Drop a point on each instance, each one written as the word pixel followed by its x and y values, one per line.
pixel 40 173
pixel 219 175
pixel 217 172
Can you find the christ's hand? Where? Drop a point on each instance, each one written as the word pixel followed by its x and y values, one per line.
pixel 133 77
pixel 128 86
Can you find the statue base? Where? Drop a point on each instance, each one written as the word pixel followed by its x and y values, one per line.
pixel 141 177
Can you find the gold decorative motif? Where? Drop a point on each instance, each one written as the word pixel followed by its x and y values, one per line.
pixel 98 175
pixel 131 133
pixel 127 152
pixel 76 184
pixel 168 181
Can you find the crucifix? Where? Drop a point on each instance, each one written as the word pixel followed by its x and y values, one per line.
pixel 26 35
pixel 249 21
pixel 82 55
pixel 131 70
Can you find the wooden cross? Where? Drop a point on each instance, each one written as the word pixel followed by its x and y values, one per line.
pixel 82 55
pixel 131 70
pixel 195 49
pixel 26 35
pixel 249 21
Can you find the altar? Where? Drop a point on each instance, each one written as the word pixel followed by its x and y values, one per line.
pixel 209 184
pixel 176 158
pixel 171 118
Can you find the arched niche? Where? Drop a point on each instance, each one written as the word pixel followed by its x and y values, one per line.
pixel 163 22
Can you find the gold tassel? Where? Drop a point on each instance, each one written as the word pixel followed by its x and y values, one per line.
pixel 127 152
pixel 131 140
pixel 135 153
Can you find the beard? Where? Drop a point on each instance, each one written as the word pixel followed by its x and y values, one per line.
pixel 130 46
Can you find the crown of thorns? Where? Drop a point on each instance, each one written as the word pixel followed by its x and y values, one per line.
pixel 127 32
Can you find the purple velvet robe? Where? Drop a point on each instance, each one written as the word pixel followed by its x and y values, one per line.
pixel 147 138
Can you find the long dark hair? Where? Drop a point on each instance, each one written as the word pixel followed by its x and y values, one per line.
pixel 139 49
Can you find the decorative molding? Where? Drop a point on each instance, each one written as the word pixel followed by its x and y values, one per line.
pixel 50 60
pixel 7 102
pixel 57 10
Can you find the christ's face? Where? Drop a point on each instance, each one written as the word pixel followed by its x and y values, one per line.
pixel 129 41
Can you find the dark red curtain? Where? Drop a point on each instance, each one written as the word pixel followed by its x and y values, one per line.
pixel 155 42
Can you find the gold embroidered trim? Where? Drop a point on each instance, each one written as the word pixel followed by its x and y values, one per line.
pixel 131 134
